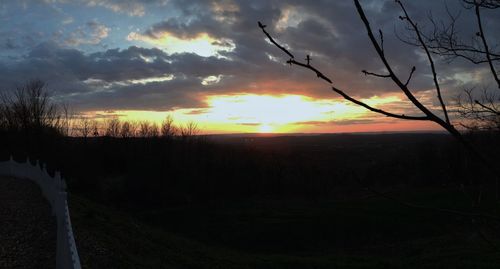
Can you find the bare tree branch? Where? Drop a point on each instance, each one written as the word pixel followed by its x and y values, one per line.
pixel 320 75
pixel 262 26
pixel 392 75
pixel 485 43
pixel 487 108
pixel 404 117
pixel 310 67
pixel 444 40
pixel 376 75
pixel 411 74
pixel 429 58
pixel 381 34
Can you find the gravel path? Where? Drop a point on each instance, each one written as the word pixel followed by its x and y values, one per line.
pixel 27 227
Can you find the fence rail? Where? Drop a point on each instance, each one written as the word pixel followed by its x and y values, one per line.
pixel 54 190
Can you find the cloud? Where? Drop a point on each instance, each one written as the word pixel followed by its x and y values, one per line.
pixel 92 33
pixel 130 7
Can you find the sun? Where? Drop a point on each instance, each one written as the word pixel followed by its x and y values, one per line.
pixel 265 128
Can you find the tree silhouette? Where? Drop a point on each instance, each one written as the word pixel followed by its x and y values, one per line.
pixel 113 127
pixel 168 129
pixel 83 127
pixel 31 110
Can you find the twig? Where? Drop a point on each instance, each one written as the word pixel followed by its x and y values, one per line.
pixel 381 34
pixel 409 77
pixel 429 58
pixel 375 74
pixel 487 108
pixel 310 67
pixel 485 44
pixel 388 114
pixel 262 26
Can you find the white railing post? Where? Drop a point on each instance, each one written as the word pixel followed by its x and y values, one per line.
pixel 72 250
pixel 61 256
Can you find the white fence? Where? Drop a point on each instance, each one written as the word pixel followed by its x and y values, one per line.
pixel 54 190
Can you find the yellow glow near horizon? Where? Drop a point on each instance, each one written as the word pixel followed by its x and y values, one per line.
pixel 268 109
pixel 252 113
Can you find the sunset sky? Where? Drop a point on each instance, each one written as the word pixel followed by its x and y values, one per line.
pixel 208 62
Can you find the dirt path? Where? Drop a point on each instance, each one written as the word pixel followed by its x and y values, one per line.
pixel 27 227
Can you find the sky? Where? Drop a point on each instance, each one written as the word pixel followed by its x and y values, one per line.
pixel 208 62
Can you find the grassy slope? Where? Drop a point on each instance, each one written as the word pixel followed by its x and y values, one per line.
pixel 366 233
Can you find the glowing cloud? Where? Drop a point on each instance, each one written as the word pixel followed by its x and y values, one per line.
pixel 201 44
pixel 210 80
pixel 151 79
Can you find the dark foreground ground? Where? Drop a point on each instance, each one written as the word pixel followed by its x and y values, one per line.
pixel 27 227
pixel 364 231
pixel 277 201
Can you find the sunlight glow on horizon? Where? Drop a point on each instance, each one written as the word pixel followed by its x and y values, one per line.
pixel 284 113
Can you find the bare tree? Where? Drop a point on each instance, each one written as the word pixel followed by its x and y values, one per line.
pixel 66 120
pixel 30 108
pixel 153 130
pixel 143 129
pixel 189 130
pixel 148 129
pixel 113 127
pixel 479 114
pixel 128 129
pixel 168 128
pixel 442 120
pixel 479 110
pixel 94 126
pixel 83 127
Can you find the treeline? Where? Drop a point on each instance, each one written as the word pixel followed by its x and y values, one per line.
pixel 30 110
pixel 114 127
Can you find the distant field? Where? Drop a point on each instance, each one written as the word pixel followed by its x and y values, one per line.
pixel 365 232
